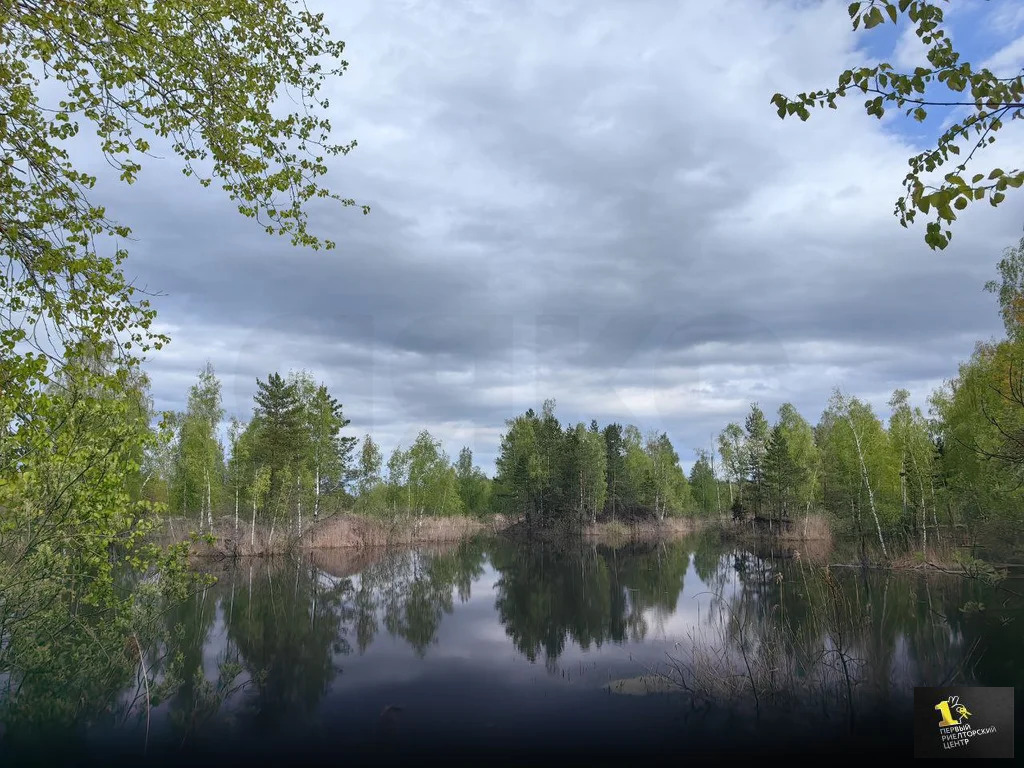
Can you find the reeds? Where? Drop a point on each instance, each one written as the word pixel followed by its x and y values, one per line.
pixel 337 532
pixel 616 530
pixel 752 655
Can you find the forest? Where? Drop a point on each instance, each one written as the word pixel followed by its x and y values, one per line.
pixel 895 477
pixel 236 96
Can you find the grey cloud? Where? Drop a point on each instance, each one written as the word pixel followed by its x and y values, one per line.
pixel 590 202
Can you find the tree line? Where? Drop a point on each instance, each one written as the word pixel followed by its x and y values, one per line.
pixel 291 461
pixel 893 476
pixel 958 465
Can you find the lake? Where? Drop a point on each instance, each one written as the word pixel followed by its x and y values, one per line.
pixel 495 651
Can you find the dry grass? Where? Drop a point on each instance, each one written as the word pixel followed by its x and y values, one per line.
pixel 809 528
pixel 348 530
pixel 615 530
pixel 343 531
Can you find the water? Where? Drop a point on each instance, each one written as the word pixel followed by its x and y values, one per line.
pixel 492 650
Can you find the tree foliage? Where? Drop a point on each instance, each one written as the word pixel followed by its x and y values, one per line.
pixel 210 83
pixel 575 475
pixel 984 102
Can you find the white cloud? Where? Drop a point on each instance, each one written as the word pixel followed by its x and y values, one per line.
pixel 594 202
pixel 1008 60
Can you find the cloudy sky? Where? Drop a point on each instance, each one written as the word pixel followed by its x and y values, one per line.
pixel 594 202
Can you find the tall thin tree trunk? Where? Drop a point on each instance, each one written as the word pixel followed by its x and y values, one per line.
pixel 209 505
pixel 236 509
pixel 924 515
pixel 582 505
pixel 316 498
pixel 252 539
pixel 298 498
pixel 867 482
pixel 903 487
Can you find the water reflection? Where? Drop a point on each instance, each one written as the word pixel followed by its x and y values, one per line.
pixel 585 594
pixel 452 638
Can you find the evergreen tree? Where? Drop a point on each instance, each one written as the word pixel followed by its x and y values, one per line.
pixel 519 477
pixel 615 467
pixel 281 441
pixel 756 445
pixel 781 475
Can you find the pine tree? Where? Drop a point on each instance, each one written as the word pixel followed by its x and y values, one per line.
pixel 781 475
pixel 756 427
pixel 615 467
pixel 280 438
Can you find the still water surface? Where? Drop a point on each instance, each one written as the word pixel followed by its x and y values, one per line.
pixel 495 650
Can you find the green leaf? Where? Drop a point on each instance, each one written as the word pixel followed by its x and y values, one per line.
pixel 873 18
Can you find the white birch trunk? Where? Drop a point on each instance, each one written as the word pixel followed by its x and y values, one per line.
pixel 209 505
pixel 316 498
pixel 924 510
pixel 867 482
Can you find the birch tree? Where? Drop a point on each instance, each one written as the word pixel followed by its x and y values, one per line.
pixel 200 461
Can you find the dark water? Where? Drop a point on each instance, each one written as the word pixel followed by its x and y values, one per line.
pixel 491 652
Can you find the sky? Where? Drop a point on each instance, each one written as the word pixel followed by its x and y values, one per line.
pixel 593 202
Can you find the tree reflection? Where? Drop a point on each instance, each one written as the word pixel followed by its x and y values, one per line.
pixel 290 627
pixel 277 630
pixel 585 593
pixel 412 591
pixel 791 636
pixel 266 642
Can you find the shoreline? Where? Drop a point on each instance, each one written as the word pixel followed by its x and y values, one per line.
pixel 345 530
pixel 351 531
